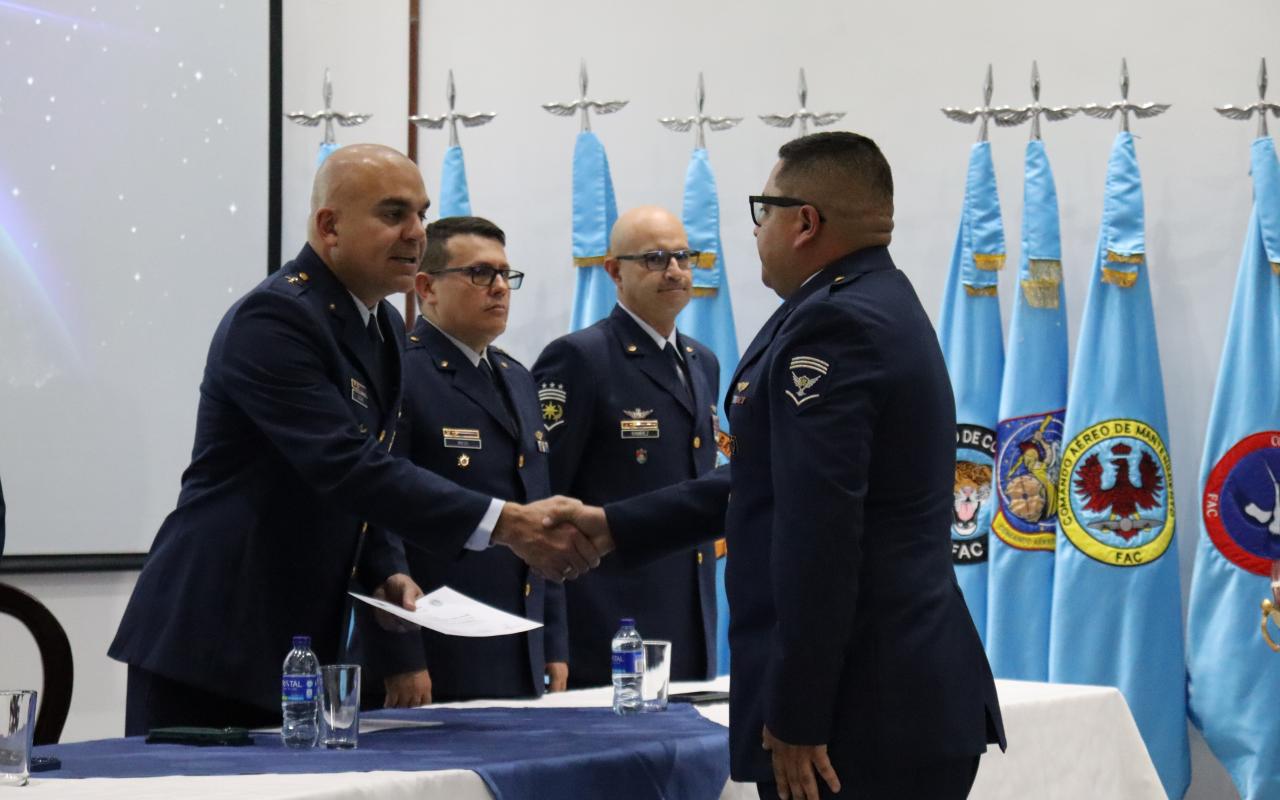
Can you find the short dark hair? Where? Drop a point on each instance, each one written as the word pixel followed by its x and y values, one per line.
pixel 435 256
pixel 855 155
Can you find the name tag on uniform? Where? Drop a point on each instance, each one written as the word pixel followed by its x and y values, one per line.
pixel 639 428
pixel 464 438
pixel 359 393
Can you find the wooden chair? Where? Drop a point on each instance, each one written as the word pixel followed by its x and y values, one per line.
pixel 55 660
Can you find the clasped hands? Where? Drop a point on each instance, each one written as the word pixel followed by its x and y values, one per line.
pixel 559 538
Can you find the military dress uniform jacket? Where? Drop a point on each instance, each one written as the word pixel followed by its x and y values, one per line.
pixel 456 425
pixel 848 627
pixel 621 423
pixel 289 469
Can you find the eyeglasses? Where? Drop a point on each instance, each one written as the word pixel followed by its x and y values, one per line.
pixel 657 260
pixel 486 274
pixel 759 201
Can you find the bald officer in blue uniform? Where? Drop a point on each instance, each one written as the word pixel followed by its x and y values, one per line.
pixel 855 665
pixel 628 405
pixel 290 467
pixel 471 415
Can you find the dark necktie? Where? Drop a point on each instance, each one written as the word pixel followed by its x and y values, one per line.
pixel 487 369
pixel 377 353
pixel 681 368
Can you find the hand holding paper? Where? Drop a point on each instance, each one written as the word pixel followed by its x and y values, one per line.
pixel 454 614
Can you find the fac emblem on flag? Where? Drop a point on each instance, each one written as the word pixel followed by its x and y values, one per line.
pixel 1116 607
pixel 1033 398
pixel 969 330
pixel 1026 481
pixel 972 507
pixel 551 397
pixel 1233 687
pixel 1115 478
pixel 1242 503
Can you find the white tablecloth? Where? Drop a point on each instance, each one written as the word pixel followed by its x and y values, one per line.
pixel 1066 742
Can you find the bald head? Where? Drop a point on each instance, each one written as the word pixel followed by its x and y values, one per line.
pixel 367 205
pixel 636 227
pixel 654 295
pixel 345 172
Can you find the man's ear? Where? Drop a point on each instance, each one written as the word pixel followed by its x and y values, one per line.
pixel 614 267
pixel 422 286
pixel 327 225
pixel 808 225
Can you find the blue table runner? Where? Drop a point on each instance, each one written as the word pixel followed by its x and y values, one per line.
pixel 518 752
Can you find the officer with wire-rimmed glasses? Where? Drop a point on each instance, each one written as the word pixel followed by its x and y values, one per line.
pixel 629 405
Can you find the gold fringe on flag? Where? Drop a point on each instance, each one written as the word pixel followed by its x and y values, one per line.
pixel 704 291
pixel 991 262
pixel 1275 267
pixel 1041 294
pixel 1117 258
pixel 706 260
pixel 1125 280
pixel 589 261
pixel 1045 269
pixel 980 291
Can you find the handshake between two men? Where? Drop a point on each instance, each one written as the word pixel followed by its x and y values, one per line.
pixel 559 538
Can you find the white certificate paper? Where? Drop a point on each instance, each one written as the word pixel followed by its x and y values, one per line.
pixel 454 614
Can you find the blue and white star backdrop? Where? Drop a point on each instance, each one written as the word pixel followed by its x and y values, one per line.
pixel 133 193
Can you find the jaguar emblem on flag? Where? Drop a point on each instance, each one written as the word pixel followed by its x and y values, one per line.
pixel 972 508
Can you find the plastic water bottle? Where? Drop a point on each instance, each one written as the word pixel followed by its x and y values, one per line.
pixel 628 668
pixel 300 695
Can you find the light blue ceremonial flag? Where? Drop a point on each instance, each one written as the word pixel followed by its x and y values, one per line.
pixel 1117 609
pixel 323 151
pixel 455 199
pixel 594 212
pixel 970 331
pixel 1234 692
pixel 709 319
pixel 1033 399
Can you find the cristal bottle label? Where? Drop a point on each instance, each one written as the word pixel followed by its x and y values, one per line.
pixel 298 688
pixel 630 662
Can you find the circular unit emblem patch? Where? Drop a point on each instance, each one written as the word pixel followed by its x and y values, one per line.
pixel 1030 450
pixel 972 505
pixel 1116 499
pixel 1242 503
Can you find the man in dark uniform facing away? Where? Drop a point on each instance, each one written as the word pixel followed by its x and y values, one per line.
pixel 855 665
pixel 629 405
